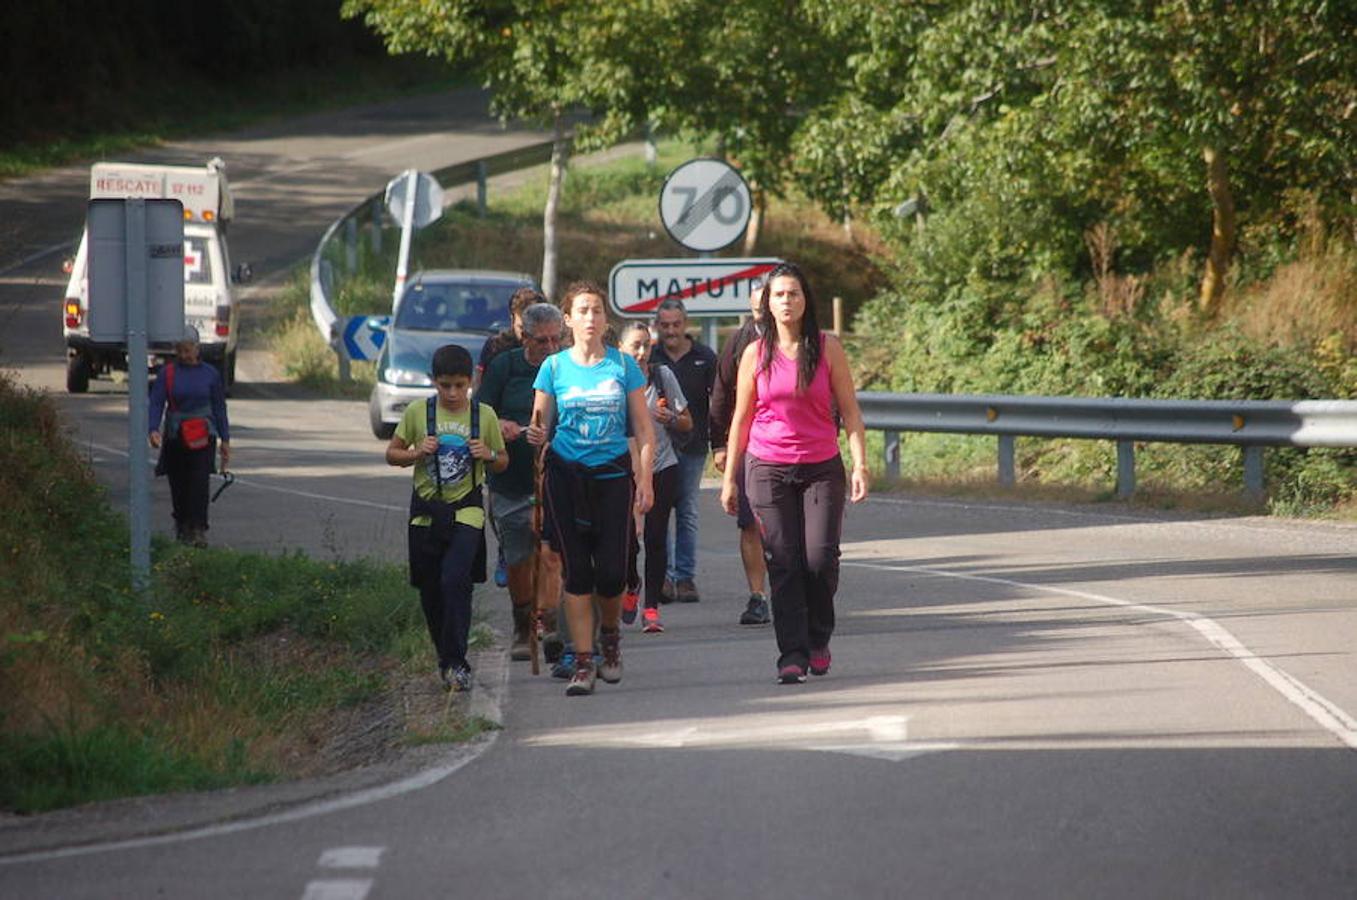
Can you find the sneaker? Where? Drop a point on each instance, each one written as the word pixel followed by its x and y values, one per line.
pixel 611 668
pixel 631 600
pixel 461 678
pixel 445 676
pixel 756 613
pixel 791 675
pixel 582 681
pixel 565 665
pixel 651 620
pixel 819 661
pixel 686 592
pixel 667 594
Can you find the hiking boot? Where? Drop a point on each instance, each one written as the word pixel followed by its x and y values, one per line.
pixel 565 665
pixel 686 592
pixel 582 681
pixel 792 674
pixel 611 668
pixel 631 600
pixel 461 678
pixel 756 612
pixel 651 620
pixel 667 594
pixel 198 536
pixel 521 650
pixel 819 660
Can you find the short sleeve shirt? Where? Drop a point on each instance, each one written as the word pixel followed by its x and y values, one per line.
pixel 454 457
pixel 591 404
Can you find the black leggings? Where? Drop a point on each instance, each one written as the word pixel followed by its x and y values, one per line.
pixel 656 536
pixel 799 509
pixel 591 517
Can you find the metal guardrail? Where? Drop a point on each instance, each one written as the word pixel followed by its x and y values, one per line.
pixel 1250 424
pixel 370 208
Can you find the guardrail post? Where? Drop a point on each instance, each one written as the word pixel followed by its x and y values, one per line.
pixel 1126 469
pixel 1007 453
pixel 351 245
pixel 1253 472
pixel 891 448
pixel 377 228
pixel 337 345
pixel 481 188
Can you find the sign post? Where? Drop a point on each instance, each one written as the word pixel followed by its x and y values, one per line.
pixel 426 207
pixel 136 294
pixel 705 206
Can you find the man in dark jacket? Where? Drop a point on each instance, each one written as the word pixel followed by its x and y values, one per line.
pixel 694 364
pixel 722 410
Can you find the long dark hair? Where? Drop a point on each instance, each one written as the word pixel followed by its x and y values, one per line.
pixel 808 360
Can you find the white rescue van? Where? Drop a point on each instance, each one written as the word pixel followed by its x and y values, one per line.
pixel 209 301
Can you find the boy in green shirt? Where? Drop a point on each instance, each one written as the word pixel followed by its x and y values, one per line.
pixel 447 518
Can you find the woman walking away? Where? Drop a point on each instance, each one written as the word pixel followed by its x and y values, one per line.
pixel 189 394
pixel 789 383
pixel 593 395
pixel 668 410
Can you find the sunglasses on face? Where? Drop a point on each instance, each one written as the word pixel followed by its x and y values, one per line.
pixel 545 340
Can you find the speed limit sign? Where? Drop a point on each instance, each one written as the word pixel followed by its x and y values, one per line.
pixel 705 204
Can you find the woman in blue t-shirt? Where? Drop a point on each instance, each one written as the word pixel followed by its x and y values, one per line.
pixel 594 398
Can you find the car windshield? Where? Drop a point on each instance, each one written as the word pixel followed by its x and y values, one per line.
pixel 455 306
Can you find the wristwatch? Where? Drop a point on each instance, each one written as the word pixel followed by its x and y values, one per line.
pixel 494 455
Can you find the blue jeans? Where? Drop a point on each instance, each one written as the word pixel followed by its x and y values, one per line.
pixel 683 542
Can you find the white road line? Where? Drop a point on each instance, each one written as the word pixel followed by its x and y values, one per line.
pixel 260 486
pixel 416 782
pixel 338 889
pixel 1327 714
pixel 351 858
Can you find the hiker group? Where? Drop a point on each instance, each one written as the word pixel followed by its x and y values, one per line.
pixel 587 446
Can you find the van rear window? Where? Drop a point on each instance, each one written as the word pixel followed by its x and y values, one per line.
pixel 197 262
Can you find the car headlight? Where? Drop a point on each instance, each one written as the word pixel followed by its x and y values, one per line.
pixel 406 377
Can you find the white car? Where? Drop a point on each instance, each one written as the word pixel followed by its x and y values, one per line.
pixel 439 306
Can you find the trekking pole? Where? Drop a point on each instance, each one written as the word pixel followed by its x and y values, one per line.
pixel 534 617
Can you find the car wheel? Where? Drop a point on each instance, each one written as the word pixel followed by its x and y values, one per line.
pixel 78 374
pixel 381 430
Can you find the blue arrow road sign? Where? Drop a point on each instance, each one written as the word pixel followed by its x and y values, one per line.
pixel 364 336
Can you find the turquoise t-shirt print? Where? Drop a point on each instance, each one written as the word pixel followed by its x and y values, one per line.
pixel 453 458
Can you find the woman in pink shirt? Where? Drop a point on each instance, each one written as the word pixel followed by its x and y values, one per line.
pixel 789 384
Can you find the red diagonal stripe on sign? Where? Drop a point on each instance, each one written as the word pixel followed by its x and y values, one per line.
pixel 707 285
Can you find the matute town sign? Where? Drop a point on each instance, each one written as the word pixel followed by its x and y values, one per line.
pixel 707 287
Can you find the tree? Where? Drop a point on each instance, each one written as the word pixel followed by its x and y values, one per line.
pixel 527 52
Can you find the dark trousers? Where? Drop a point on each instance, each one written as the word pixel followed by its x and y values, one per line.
pixel 799 509
pixel 592 521
pixel 443 576
pixel 189 473
pixel 656 535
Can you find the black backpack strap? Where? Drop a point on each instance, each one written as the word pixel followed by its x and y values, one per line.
pixel 477 465
pixel 431 430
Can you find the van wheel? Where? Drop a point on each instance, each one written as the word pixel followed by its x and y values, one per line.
pixel 381 430
pixel 77 374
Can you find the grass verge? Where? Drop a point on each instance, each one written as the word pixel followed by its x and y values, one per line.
pixel 236 668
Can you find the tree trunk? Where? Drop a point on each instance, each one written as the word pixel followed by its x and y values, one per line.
pixel 558 160
pixel 759 201
pixel 1222 230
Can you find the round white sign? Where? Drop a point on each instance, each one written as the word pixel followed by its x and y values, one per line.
pixel 705 205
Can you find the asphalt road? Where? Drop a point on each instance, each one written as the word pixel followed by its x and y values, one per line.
pixel 1025 701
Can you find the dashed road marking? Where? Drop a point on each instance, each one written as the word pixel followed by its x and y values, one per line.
pixel 338 889
pixel 351 858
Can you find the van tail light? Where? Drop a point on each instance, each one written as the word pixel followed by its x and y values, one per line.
pixel 223 321
pixel 72 312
